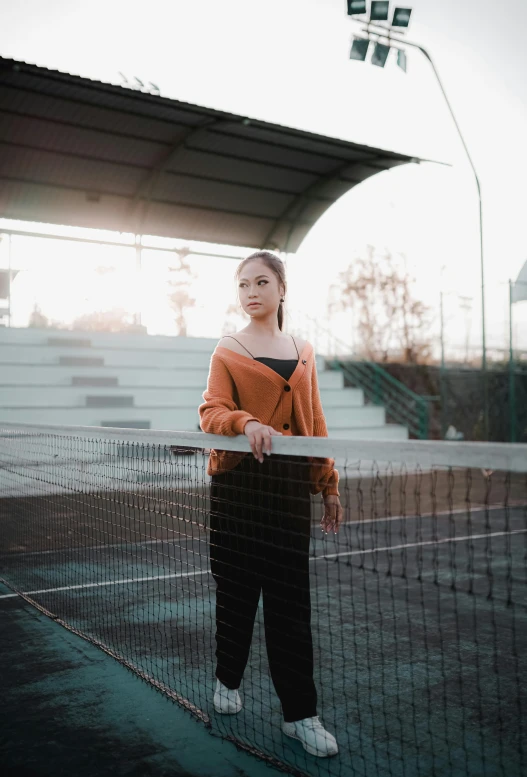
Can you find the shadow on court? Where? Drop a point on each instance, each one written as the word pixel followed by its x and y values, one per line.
pixel 70 710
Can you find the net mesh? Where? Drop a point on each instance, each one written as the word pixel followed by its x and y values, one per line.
pixel 405 631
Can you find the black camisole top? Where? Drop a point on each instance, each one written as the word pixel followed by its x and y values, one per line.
pixel 284 367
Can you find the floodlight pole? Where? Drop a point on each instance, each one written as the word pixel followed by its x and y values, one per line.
pixel 388 33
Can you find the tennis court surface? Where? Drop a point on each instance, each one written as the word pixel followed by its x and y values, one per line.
pixel 418 604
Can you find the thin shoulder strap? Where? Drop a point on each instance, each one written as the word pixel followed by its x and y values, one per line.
pixel 295 347
pixel 233 338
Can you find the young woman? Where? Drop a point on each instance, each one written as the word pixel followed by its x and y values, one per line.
pixel 263 383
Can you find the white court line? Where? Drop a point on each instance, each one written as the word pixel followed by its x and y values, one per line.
pixel 110 582
pixel 476 508
pixel 138 543
pixel 311 558
pixel 425 542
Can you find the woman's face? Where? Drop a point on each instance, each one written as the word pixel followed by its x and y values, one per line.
pixel 258 284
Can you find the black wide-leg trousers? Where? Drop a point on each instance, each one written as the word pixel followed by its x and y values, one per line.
pixel 259 543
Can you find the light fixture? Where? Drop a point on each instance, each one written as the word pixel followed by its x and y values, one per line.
pixel 379 10
pixel 380 54
pixel 356 7
pixel 401 17
pixel 359 49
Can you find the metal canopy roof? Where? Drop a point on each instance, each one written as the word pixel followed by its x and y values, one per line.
pixel 79 152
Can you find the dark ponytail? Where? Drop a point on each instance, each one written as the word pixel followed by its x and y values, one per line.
pixel 280 315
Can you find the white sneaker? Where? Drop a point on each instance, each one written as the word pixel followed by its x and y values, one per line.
pixel 226 701
pixel 315 739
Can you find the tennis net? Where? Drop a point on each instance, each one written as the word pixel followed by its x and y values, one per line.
pixel 411 619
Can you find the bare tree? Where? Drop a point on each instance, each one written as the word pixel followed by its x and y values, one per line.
pixel 180 298
pixel 38 320
pixel 114 320
pixel 388 317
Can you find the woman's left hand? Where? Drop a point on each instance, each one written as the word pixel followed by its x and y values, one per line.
pixel 333 514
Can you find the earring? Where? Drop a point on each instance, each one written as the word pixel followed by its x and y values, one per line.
pixel 281 299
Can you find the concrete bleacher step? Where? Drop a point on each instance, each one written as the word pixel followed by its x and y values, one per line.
pixel 352 417
pixel 341 397
pixel 170 417
pixel 140 358
pixel 57 375
pixel 87 380
pixel 386 432
pixel 110 357
pixel 127 378
pixel 107 401
pixel 119 340
pixel 69 342
pixel 69 396
pixel 174 418
pixel 80 361
pixel 347 400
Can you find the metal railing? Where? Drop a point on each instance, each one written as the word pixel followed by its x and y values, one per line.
pixel 403 406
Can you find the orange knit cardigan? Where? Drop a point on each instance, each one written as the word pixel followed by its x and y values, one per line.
pixel 241 389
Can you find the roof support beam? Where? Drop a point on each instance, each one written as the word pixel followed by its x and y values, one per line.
pixel 142 198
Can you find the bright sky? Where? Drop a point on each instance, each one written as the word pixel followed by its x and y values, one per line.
pixel 287 62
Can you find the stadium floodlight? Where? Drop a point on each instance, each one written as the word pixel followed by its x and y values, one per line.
pixel 359 49
pixel 401 59
pixel 356 7
pixel 379 10
pixel 401 17
pixel 380 54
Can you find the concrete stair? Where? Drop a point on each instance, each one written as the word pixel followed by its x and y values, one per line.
pixel 141 381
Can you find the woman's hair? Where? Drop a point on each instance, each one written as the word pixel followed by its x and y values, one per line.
pixel 275 264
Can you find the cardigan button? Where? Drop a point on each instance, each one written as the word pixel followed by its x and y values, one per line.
pixel 304 361
pixel 287 388
pixel 286 426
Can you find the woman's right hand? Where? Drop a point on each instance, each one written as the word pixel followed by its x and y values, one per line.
pixel 259 436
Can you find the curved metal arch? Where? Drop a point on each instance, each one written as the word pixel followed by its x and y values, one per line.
pixel 301 200
pixel 142 198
